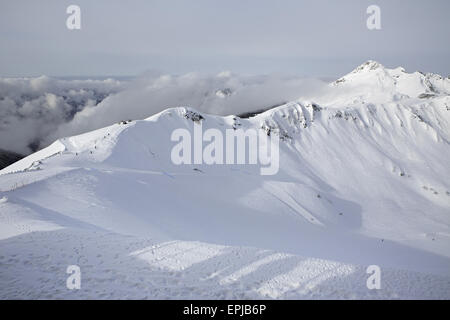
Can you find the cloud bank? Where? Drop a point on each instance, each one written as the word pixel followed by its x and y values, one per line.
pixel 32 109
pixel 36 111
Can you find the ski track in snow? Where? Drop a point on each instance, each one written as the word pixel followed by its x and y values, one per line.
pixel 120 267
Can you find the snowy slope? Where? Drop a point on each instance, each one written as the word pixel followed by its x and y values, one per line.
pixel 363 180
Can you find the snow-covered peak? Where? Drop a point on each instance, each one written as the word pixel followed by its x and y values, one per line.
pixel 372 80
pixel 368 66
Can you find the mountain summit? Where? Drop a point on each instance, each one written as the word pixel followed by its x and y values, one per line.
pixel 373 78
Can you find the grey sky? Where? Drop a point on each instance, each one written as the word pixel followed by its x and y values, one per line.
pixel 310 38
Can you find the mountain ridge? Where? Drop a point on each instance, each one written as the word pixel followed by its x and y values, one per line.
pixel 363 179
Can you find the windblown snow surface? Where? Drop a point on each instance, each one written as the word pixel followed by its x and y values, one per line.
pixel 363 180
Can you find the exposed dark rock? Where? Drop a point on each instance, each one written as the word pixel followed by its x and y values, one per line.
pixel 426 95
pixel 194 116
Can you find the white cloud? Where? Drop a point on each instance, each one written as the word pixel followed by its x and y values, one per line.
pixel 32 109
pixel 36 111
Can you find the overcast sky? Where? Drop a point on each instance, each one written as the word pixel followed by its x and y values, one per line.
pixel 307 38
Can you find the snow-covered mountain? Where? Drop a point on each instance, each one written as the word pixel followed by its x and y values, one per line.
pixel 394 83
pixel 363 180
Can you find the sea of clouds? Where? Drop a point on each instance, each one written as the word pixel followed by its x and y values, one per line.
pixel 36 111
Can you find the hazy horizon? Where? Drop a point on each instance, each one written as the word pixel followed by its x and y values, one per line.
pixel 321 38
